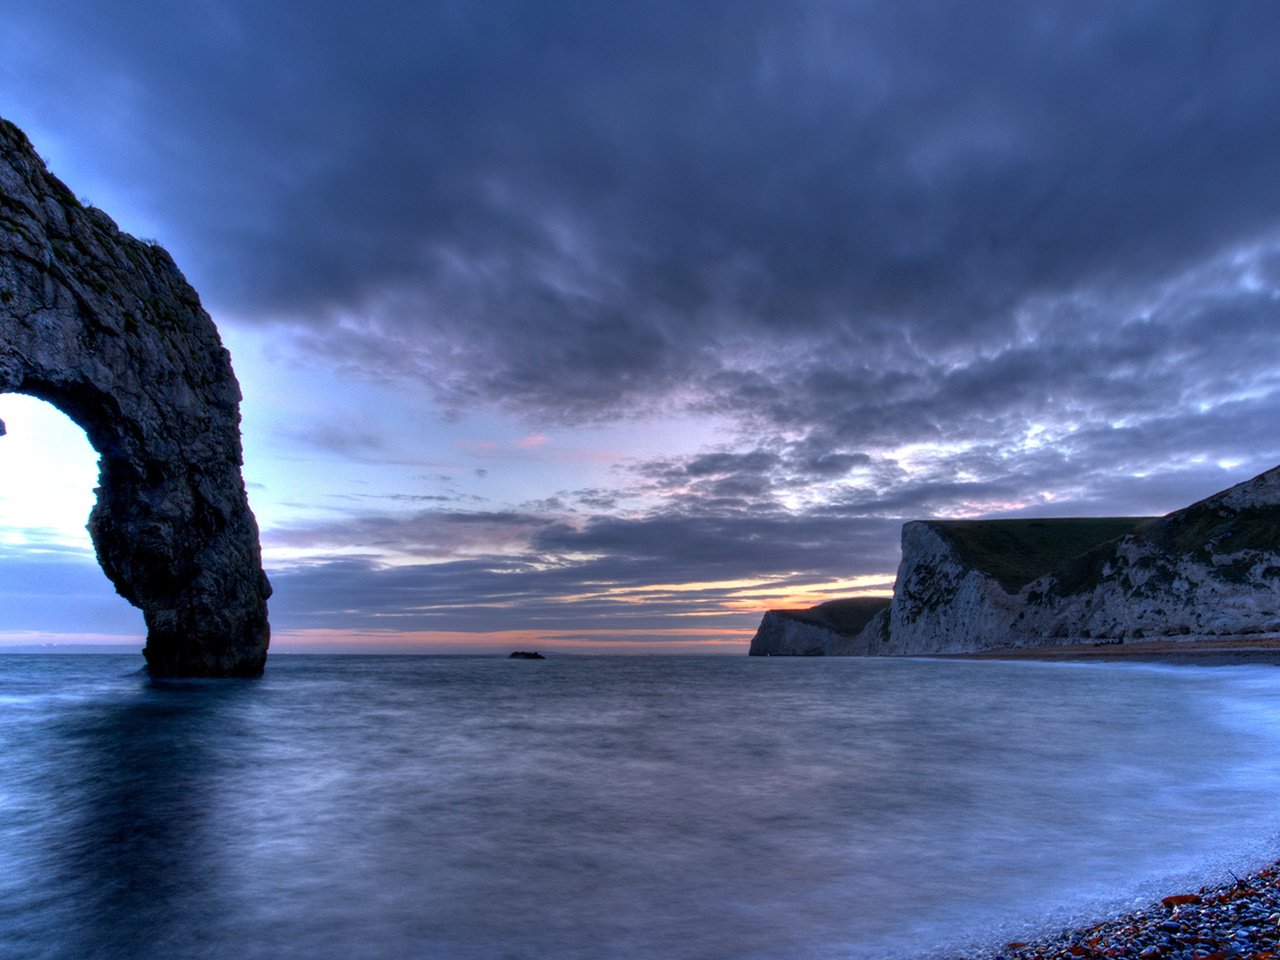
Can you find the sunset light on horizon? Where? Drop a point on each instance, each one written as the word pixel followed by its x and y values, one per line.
pixel 613 326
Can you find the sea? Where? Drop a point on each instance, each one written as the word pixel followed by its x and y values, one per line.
pixel 616 808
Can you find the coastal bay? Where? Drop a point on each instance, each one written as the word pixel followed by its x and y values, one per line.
pixel 474 808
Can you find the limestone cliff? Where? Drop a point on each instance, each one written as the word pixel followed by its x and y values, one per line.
pixel 1211 569
pixel 959 583
pixel 838 628
pixel 105 328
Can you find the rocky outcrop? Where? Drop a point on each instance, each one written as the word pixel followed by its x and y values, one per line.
pixel 105 328
pixel 1210 570
pixel 959 582
pixel 838 628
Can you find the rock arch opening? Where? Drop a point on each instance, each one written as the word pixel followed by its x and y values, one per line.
pixel 52 590
pixel 105 328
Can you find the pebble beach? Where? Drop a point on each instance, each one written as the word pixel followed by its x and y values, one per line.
pixel 1235 921
pixel 1201 652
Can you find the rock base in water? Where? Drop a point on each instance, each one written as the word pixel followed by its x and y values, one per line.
pixel 105 328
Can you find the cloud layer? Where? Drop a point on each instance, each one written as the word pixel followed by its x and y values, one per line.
pixel 573 207
pixel 919 258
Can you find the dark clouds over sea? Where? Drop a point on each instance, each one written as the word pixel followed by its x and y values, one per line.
pixel 921 257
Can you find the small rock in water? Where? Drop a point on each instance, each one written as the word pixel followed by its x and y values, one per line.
pixel 526 655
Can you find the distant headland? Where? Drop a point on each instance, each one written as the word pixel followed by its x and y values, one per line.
pixel 1210 571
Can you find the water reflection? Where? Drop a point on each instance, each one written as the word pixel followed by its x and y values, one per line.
pixel 123 846
pixel 688 809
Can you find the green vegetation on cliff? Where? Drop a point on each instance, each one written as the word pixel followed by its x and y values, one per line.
pixel 847 616
pixel 1204 529
pixel 1015 552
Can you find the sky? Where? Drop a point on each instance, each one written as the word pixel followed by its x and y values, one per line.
pixel 606 326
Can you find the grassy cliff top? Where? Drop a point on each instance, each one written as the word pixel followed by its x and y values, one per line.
pixel 847 616
pixel 1208 528
pixel 1015 552
pixel 1230 524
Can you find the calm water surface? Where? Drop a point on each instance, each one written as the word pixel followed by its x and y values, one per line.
pixel 600 808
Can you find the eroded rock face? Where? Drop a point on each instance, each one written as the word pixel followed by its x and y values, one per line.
pixel 941 604
pixel 854 627
pixel 106 329
pixel 1209 570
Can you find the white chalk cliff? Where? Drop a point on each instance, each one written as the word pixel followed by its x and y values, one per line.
pixel 1209 570
pixel 837 628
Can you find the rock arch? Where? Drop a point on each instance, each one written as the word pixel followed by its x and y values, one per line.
pixel 106 329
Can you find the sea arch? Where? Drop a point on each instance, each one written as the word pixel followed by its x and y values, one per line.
pixel 48 485
pixel 105 328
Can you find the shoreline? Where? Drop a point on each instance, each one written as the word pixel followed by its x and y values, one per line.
pixel 1232 921
pixel 1223 651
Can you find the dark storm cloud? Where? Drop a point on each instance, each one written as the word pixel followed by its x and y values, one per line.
pixel 580 209
pixel 599 573
pixel 741 481
pixel 1142 378
pixel 684 540
pixel 598 565
pixel 478 596
pixel 1038 242
pixel 430 534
